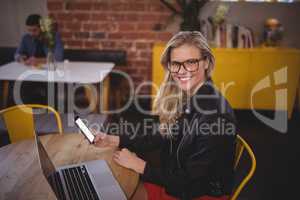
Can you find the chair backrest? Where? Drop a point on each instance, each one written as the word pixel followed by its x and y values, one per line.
pixel 19 120
pixel 242 145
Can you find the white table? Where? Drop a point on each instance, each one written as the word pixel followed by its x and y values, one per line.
pixel 66 72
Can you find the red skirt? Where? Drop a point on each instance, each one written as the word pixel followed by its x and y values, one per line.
pixel 155 192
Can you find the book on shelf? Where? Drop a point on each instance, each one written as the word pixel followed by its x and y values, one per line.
pixel 228 35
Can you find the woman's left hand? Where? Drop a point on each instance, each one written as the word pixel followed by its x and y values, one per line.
pixel 129 160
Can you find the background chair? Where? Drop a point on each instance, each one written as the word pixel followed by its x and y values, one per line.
pixel 19 120
pixel 242 145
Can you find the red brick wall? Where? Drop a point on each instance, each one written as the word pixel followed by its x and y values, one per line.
pixel 114 24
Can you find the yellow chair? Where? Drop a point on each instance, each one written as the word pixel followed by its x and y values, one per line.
pixel 19 120
pixel 240 147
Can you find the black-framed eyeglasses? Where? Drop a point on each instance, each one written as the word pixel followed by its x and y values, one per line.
pixel 190 65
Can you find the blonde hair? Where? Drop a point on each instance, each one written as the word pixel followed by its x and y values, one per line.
pixel 170 98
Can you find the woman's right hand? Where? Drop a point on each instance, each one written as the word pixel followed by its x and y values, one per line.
pixel 105 140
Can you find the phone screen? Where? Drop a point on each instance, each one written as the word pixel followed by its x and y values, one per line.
pixel 84 129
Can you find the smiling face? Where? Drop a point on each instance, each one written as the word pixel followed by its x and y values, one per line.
pixel 188 80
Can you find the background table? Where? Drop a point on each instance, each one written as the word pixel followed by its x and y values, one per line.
pixel 22 178
pixel 67 72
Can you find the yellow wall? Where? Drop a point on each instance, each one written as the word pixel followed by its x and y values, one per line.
pixel 238 71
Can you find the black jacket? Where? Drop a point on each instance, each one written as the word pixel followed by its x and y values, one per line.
pixel 198 159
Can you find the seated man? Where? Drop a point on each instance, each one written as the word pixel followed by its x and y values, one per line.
pixel 32 49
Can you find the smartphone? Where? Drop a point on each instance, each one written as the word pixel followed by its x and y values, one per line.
pixel 84 129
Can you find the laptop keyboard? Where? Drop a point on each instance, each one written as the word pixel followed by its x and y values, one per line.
pixel 56 184
pixel 79 184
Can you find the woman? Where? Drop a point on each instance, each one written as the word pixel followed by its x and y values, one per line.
pixel 196 133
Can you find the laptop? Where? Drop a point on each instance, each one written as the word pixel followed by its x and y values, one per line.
pixel 90 180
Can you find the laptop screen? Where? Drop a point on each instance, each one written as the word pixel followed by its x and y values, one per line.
pixel 45 162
